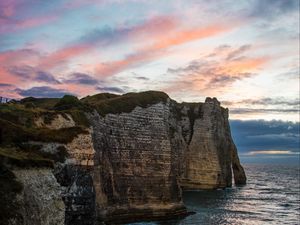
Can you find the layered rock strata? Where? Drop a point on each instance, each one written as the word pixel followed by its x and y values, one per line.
pixel 133 165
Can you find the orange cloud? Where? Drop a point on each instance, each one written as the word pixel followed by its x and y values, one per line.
pixel 187 36
pixel 213 76
pixel 157 49
pixel 243 66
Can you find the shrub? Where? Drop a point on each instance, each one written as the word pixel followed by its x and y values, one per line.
pixel 67 102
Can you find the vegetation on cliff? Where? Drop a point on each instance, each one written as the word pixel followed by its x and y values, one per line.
pixel 9 189
pixel 115 104
pixel 18 128
pixel 21 158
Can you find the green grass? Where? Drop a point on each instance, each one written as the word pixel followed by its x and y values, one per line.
pixel 25 116
pixel 117 104
pixel 94 99
pixel 11 133
pixel 21 158
pixel 44 103
pixel 19 114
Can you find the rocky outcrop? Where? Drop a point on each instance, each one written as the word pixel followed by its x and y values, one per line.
pixel 129 162
pixel 59 121
pixel 210 150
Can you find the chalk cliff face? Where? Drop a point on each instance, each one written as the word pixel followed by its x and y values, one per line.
pixel 131 164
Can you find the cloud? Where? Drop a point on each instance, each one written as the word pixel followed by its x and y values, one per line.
pixel 6 85
pixel 142 78
pixel 19 15
pixel 271 152
pixel 13 25
pixel 222 80
pixel 8 91
pixel 22 56
pixel 258 135
pixel 82 78
pixel 45 77
pixel 25 72
pixel 237 52
pixel 266 101
pixel 147 29
pixel 216 71
pixel 7 8
pixel 158 48
pixel 15 65
pixel 62 55
pixel 111 89
pixel 42 92
pixel 104 37
pixel 273 8
pixel 261 110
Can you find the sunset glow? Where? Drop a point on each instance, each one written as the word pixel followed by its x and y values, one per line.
pixel 235 51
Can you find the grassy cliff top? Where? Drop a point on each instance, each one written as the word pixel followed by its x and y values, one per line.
pixel 109 103
pixel 104 103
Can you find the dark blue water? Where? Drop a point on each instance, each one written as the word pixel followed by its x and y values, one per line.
pixel 272 196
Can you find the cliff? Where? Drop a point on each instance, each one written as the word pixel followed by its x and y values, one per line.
pixel 111 158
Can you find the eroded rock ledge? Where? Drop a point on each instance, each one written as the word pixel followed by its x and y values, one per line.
pixel 124 158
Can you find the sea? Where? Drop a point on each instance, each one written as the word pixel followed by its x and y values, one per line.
pixel 271 196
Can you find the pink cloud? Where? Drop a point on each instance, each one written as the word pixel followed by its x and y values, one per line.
pixel 151 29
pixel 34 22
pixel 61 56
pixel 10 59
pixel 80 90
pixel 154 27
pixel 7 8
pixel 158 48
pixel 26 23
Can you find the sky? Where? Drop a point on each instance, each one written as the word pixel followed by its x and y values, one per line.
pixel 245 53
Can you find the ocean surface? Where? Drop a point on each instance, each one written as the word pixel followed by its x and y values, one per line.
pixel 271 196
